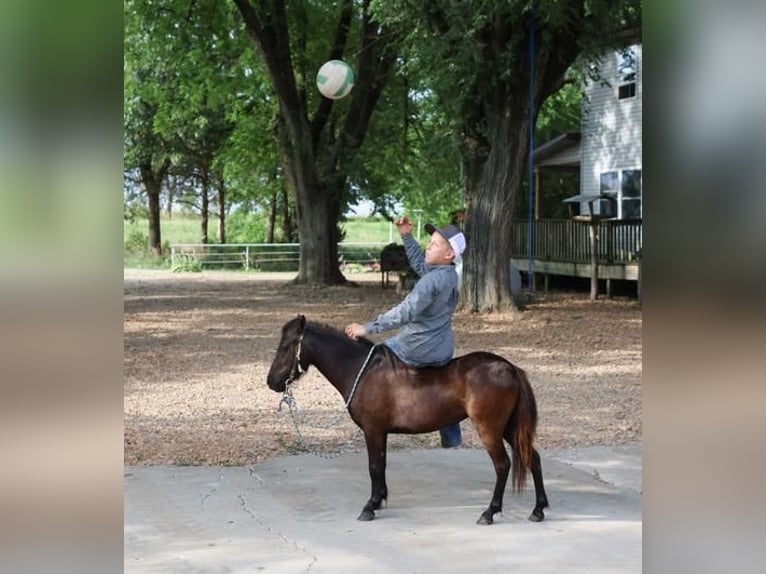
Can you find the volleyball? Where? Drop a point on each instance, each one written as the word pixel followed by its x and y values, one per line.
pixel 335 79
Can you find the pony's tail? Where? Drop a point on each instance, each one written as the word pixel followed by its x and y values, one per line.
pixel 520 430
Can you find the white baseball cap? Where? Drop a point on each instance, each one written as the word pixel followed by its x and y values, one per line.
pixel 452 234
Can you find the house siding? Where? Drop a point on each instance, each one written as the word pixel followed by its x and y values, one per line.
pixel 611 127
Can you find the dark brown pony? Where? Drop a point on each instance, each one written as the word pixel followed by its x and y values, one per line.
pixel 391 397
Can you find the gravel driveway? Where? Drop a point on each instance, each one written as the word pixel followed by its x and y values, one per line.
pixel 198 347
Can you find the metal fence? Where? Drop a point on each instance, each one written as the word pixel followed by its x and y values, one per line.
pixel 267 256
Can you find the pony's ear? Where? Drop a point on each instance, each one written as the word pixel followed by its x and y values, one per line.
pixel 303 320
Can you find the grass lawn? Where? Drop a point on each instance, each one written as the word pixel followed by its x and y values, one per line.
pixel 178 229
pixel 186 229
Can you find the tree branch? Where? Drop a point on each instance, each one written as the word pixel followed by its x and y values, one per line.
pixel 336 53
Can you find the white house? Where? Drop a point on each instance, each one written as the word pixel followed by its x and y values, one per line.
pixel 611 141
pixel 608 151
pixel 608 156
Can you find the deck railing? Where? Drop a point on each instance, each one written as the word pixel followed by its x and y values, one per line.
pixel 567 240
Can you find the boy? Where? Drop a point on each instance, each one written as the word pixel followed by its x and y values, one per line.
pixel 425 316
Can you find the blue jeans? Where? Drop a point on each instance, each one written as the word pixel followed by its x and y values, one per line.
pixel 451 435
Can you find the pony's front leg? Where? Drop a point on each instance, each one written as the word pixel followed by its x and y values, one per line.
pixel 376 454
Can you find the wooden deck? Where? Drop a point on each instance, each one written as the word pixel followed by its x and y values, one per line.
pixel 624 271
pixel 562 247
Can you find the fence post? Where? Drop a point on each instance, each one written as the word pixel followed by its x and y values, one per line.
pixel 172 257
pixel 593 227
pixel 247 258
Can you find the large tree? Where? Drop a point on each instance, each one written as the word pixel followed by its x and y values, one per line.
pixel 476 55
pixel 147 154
pixel 183 79
pixel 319 137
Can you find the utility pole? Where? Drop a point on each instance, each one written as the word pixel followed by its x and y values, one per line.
pixel 419 213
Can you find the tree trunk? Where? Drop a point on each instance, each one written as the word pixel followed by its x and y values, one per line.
pixel 318 255
pixel 493 177
pixel 172 187
pixel 221 232
pixel 319 260
pixel 271 220
pixel 496 119
pixel 152 181
pixel 155 235
pixel 204 208
pixel 309 144
pixel 289 231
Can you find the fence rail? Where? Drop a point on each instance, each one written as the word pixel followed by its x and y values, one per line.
pixel 266 256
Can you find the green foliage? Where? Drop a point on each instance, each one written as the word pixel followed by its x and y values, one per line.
pixel 186 263
pixel 562 111
pixel 137 255
pixel 368 230
pixel 134 211
pixel 177 229
pixel 136 242
pixel 198 93
pixel 195 92
pixel 244 227
pixel 415 161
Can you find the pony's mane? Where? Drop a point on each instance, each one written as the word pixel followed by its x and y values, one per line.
pixel 337 332
pixel 383 351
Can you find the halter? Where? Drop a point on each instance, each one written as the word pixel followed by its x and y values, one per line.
pixel 296 370
pixel 292 404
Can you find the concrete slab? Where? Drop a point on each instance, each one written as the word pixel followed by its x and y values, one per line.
pixel 298 514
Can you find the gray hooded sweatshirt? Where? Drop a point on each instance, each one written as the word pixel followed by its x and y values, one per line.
pixel 425 315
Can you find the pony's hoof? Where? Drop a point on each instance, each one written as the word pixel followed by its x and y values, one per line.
pixel 484 520
pixel 537 515
pixel 366 515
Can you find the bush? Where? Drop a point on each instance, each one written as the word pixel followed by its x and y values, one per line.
pixel 245 228
pixel 187 263
pixel 136 252
pixel 137 243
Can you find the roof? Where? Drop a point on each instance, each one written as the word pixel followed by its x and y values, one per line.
pixel 563 151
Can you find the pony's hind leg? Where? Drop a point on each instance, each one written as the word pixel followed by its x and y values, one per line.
pixel 541 499
pixel 502 463
pixel 376 455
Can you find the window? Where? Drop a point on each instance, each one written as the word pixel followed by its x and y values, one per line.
pixel 625 187
pixel 630 202
pixel 610 187
pixel 627 68
pixel 610 183
pixel 626 91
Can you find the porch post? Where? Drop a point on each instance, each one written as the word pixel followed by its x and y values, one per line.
pixel 593 259
pixel 538 194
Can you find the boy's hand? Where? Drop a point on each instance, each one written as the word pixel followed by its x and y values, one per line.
pixel 355 330
pixel 404 225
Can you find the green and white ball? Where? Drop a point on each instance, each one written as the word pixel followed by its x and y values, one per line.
pixel 335 79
